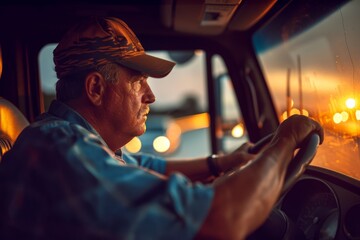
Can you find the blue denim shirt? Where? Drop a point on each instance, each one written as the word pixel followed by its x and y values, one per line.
pixel 61 181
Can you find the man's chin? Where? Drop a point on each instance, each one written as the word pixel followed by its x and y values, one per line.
pixel 141 131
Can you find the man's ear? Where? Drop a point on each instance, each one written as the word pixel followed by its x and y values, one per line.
pixel 95 87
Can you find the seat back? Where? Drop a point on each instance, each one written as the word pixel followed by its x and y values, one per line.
pixel 12 122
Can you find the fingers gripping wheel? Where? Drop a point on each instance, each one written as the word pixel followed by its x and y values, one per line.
pixel 301 160
pixel 260 144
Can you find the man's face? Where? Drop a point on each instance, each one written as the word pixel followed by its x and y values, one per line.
pixel 127 103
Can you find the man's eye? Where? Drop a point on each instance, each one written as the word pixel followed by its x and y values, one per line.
pixel 137 85
pixel 139 82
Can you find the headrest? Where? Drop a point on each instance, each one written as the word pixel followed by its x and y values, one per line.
pixel 12 122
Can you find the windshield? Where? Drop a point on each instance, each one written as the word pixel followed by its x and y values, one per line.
pixel 311 63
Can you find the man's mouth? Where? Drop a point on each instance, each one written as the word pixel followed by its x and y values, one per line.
pixel 145 112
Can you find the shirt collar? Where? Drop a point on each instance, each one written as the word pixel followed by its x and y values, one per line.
pixel 60 110
pixel 65 112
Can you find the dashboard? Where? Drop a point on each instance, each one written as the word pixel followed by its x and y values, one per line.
pixel 321 205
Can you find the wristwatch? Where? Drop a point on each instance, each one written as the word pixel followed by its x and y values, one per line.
pixel 213 166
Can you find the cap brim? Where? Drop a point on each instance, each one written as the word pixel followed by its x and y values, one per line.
pixel 152 66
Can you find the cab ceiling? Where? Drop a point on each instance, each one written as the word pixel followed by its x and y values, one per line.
pixel 213 16
pixel 200 17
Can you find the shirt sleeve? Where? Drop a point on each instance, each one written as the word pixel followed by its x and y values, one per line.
pixel 74 187
pixel 149 161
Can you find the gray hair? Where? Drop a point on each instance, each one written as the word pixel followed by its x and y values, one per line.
pixel 71 87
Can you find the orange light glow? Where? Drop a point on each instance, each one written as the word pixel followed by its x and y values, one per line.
pixel 237 131
pixel 305 112
pixel 294 111
pixel 337 118
pixel 173 133
pixel 161 144
pixel 134 145
pixel 12 121
pixel 193 122
pixel 344 116
pixel 357 115
pixel 350 103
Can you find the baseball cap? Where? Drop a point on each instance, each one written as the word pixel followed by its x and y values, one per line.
pixel 99 40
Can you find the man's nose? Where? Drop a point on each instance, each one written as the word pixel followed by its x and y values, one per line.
pixel 149 96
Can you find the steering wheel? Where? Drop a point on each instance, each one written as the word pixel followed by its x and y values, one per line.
pixel 301 160
pixel 277 225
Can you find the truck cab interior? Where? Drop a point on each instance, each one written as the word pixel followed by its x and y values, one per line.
pixel 243 67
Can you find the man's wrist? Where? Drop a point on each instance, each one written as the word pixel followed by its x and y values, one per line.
pixel 213 165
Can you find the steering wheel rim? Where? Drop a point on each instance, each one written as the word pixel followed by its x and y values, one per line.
pixel 300 161
pixel 297 166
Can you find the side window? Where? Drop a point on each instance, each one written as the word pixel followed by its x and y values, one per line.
pixel 233 132
pixel 47 74
pixel 178 124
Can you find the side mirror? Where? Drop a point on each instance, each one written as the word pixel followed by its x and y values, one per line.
pixel 181 57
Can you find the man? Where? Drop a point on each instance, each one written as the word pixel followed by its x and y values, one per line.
pixel 66 177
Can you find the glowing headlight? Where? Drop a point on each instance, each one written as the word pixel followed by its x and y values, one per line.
pixel 237 131
pixel 161 144
pixel 134 145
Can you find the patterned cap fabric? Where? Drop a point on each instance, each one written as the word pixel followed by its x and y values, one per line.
pixel 97 41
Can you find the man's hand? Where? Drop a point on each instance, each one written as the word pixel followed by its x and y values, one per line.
pixel 244 198
pixel 296 128
pixel 236 159
pixel 293 130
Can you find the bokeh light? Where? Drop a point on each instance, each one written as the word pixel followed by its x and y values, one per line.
pixel 337 118
pixel 357 114
pixel 237 131
pixel 134 145
pixel 350 103
pixel 344 116
pixel 161 144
